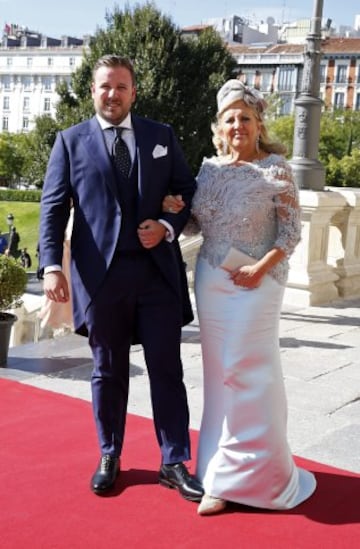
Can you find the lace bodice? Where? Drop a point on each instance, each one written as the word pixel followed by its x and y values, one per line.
pixel 253 207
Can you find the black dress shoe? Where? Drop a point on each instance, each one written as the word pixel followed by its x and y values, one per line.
pixel 177 476
pixel 105 475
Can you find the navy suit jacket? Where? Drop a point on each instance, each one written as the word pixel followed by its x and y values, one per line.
pixel 81 169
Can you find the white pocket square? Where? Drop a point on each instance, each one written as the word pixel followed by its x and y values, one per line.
pixel 159 151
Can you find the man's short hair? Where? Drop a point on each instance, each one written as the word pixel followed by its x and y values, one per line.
pixel 112 60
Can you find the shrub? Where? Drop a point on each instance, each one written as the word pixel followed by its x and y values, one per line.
pixel 13 280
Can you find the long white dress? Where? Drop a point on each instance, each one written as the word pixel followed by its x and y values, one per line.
pixel 243 453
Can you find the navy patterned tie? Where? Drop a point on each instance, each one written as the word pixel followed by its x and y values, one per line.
pixel 121 153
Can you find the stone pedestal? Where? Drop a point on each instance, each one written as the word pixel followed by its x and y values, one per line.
pixel 26 327
pixel 344 250
pixel 326 264
pixel 312 281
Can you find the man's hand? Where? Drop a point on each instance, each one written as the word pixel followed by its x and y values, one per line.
pixel 56 287
pixel 151 233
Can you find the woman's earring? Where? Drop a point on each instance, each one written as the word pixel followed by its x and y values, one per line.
pixel 224 147
pixel 257 144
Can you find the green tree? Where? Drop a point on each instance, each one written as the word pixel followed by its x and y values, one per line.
pixel 282 129
pixel 177 77
pixel 38 144
pixel 334 136
pixel 344 172
pixel 11 159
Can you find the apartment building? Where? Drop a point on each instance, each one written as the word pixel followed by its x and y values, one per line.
pixel 278 68
pixel 31 65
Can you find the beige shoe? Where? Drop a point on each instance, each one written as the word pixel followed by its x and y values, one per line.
pixel 210 505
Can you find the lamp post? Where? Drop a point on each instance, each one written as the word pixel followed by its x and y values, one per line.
pixel 308 171
pixel 10 220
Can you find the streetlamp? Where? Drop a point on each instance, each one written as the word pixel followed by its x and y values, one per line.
pixel 308 171
pixel 10 220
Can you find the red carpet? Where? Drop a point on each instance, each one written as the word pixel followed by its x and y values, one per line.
pixel 48 452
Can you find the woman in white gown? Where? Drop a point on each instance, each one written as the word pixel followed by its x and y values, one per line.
pixel 246 201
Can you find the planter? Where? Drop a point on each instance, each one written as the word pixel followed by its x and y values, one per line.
pixel 6 322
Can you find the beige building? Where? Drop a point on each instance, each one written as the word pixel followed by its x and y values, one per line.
pixel 278 69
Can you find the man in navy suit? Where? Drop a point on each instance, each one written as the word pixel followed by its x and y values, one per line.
pixel 128 278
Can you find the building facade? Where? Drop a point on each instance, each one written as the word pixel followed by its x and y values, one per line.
pixel 31 66
pixel 279 68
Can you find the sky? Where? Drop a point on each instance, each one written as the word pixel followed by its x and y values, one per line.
pixel 80 17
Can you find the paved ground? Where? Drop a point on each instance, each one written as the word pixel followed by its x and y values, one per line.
pixel 320 349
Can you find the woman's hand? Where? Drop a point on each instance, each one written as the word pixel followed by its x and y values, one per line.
pixel 173 203
pixel 247 276
pixel 250 276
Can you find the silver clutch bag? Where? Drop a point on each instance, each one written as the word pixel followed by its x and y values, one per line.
pixel 235 259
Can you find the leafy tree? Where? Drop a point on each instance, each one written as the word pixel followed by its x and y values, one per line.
pixel 333 137
pixel 344 172
pixel 334 175
pixel 177 77
pixel 350 166
pixel 38 144
pixel 282 129
pixel 11 159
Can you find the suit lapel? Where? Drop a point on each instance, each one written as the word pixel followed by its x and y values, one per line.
pixel 95 148
pixel 144 146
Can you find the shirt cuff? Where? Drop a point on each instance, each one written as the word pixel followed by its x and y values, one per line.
pixel 170 234
pixel 52 269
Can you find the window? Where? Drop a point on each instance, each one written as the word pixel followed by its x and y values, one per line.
pixel 357 104
pixel 286 79
pixel 6 103
pixel 5 123
pixel 26 104
pixel 244 77
pixel 47 83
pixel 322 74
pixel 266 81
pixel 251 79
pixel 47 104
pixel 285 104
pixel 358 75
pixel 7 82
pixel 339 100
pixel 25 123
pixel 27 82
pixel 341 71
